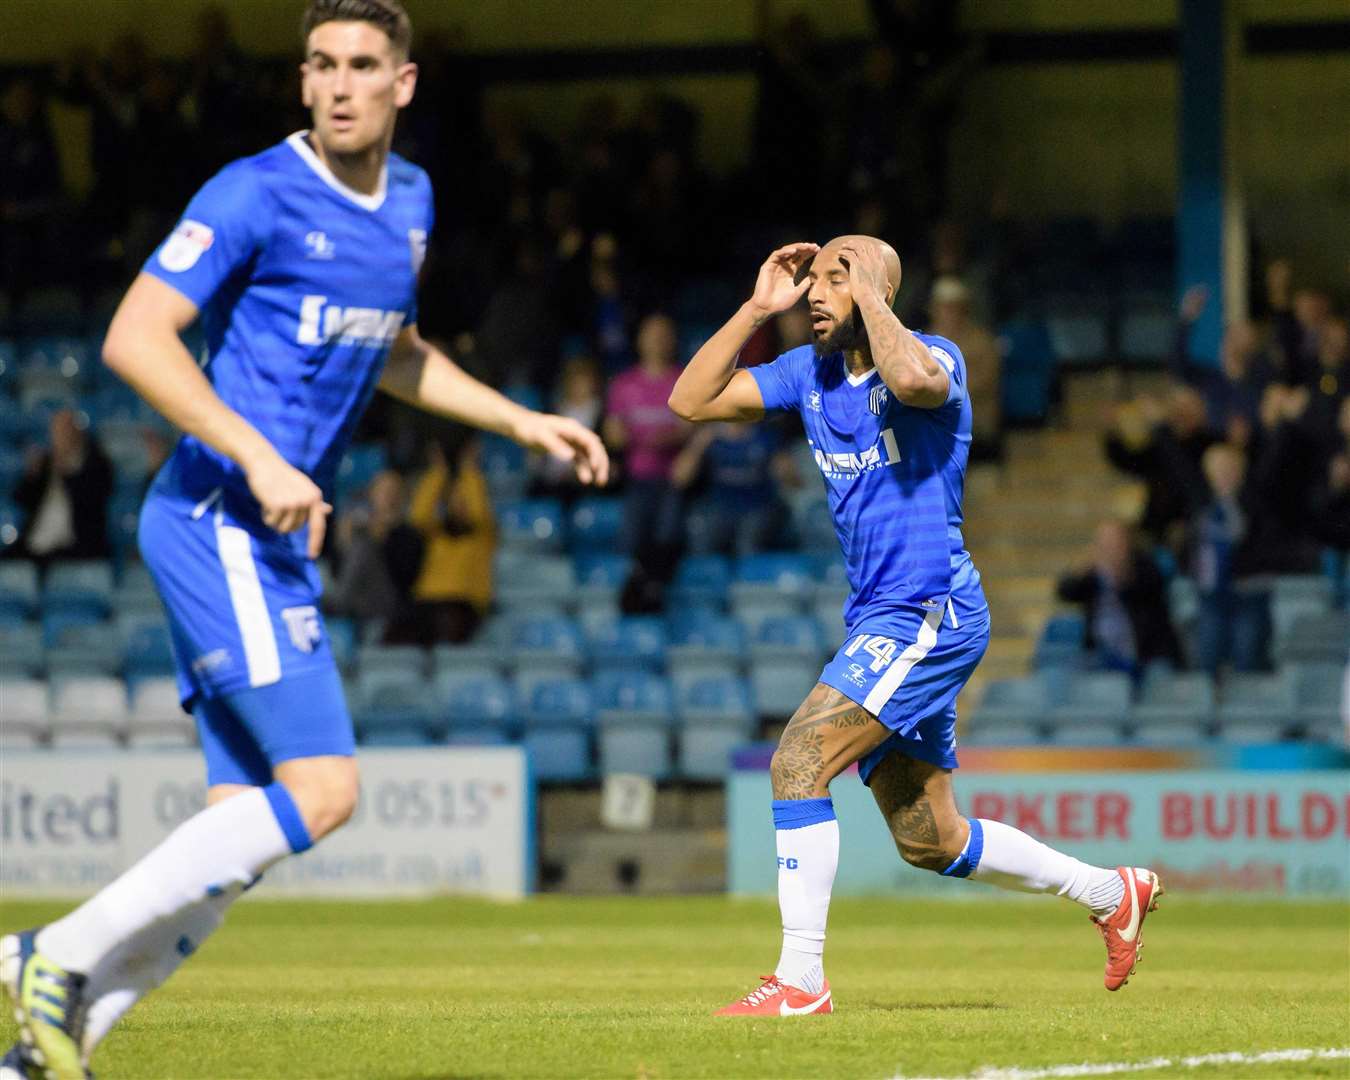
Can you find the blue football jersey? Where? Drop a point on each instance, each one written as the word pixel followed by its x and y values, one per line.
pixel 893 475
pixel 302 284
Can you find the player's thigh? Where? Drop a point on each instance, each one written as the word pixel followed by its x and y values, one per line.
pixel 916 799
pixel 826 735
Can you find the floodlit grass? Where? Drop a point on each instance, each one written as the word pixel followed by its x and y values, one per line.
pixel 623 987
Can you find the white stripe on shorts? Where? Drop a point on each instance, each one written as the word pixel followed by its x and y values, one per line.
pixel 250 608
pixel 890 682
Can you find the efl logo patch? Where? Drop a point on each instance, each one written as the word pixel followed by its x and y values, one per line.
pixel 417 244
pixel 303 624
pixel 876 400
pixel 188 243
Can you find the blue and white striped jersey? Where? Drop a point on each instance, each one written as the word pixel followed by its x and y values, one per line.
pixel 303 285
pixel 893 475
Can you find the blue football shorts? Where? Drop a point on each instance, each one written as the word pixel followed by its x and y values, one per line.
pixel 253 659
pixel 906 668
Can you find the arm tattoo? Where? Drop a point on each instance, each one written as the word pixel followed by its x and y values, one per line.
pixel 897 353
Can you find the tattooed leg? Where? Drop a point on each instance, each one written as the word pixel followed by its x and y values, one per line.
pixel 916 800
pixel 824 737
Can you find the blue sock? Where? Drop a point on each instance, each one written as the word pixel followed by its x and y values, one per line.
pixel 969 859
pixel 288 817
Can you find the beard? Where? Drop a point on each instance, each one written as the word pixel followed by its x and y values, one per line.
pixel 849 334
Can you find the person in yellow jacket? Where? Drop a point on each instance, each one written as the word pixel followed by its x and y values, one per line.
pixel 451 509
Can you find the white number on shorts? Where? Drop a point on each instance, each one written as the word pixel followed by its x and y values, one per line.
pixel 881 649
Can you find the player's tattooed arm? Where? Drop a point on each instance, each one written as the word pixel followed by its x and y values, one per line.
pixel 905 363
pixel 826 735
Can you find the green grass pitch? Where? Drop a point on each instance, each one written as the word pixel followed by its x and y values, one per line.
pixel 623 987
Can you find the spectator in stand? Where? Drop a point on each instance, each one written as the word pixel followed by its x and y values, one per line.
pixel 1124 601
pixel 451 509
pixel 1294 458
pixel 951 318
pixel 640 425
pixel 1234 388
pixel 740 511
pixel 378 556
pixel 1164 450
pixel 1331 383
pixel 1299 316
pixel 1330 509
pixel 64 495
pixel 579 396
pixel 518 335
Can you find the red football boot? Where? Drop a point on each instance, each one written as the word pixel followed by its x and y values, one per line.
pixel 774 998
pixel 1122 930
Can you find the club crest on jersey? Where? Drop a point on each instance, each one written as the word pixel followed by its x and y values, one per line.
pixel 322 322
pixel 318 246
pixel 188 243
pixel 813 399
pixel 303 624
pixel 876 400
pixel 417 244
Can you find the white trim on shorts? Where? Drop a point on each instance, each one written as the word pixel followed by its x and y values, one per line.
pixel 889 683
pixel 250 607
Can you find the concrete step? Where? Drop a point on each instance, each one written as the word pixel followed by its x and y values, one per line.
pixel 644 863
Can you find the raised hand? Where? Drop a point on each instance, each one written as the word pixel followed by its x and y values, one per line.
pixel 866 271
pixel 777 288
pixel 289 499
pixel 566 440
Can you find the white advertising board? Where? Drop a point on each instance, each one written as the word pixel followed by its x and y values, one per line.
pixel 446 820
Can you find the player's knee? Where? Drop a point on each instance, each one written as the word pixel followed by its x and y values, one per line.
pixel 924 857
pixel 325 793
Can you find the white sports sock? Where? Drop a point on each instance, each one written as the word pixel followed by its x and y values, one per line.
pixel 222 849
pixel 808 855
pixel 1013 860
pixel 143 963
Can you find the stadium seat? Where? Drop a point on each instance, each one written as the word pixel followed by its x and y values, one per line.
pixel 25 718
pixel 135 590
pixel 752 612
pixel 791 637
pixel 559 755
pixel 1061 642
pixel 547 644
pixel 358 468
pixel 21 651
pixel 600 577
pixel 394 705
pixel 1315 587
pixel 700 581
pixel 505 465
pixel 89 712
pixel 1078 337
pixel 779 686
pixel 1008 732
pixel 408 660
pixel 632 695
pixel 157 718
pixel 524 580
pixel 1028 370
pixel 1313 637
pixel 556 702
pixel 1319 693
pixel 18 588
pixel 772 576
pixel 149 651
pixel 626 749
pixel 1251 706
pixel 1147 332
pixel 1180 700
pixel 1096 701
pixel 534 525
pixel 84 586
pixel 475 702
pixel 714 699
pixel 84 649
pixel 705 750
pixel 700 641
pixel 478 657
pixel 631 641
pixel 828 612
pixel 594 524
pixel 341 633
pixel 1010 708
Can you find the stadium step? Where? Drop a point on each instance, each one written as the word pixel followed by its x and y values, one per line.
pixel 662 861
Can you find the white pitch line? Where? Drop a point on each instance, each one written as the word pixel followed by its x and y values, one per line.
pixel 1109 1068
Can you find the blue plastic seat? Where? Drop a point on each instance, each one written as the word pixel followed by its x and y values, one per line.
pixel 547 643
pixel 358 468
pixel 700 581
pixel 478 701
pixel 559 755
pixel 1256 708
pixel 1078 337
pixel 705 750
pixel 642 750
pixel 1099 700
pixel 779 686
pixel 25 718
pixel 600 577
pixel 702 641
pixel 84 649
pixel 531 525
pixel 1314 637
pixel 754 611
pixel 149 651
pixel 1010 708
pixel 715 699
pixel 505 466
pixel 792 637
pixel 555 702
pixel 594 524
pixel 772 575
pixel 481 656
pixel 1061 642
pixel 85 586
pixel 526 580
pixel 1147 332
pixel 1318 693
pixel 632 695
pixel 18 588
pixel 408 660
pixel 1181 700
pixel 394 707
pixel 631 641
pixel 1028 370
pixel 21 650
pixel 55 623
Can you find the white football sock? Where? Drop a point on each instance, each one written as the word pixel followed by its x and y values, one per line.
pixel 808 855
pixel 222 849
pixel 1013 860
pixel 140 965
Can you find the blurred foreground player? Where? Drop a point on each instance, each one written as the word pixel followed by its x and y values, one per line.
pixel 302 263
pixel 887 415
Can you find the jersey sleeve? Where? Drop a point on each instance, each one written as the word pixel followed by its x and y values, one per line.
pixel 223 228
pixel 780 382
pixel 949 356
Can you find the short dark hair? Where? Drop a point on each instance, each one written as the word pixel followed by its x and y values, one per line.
pixel 388 15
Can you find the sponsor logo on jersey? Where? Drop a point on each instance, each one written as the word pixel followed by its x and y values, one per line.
pixel 813 399
pixel 876 400
pixel 318 246
pixel 417 245
pixel 211 661
pixel 303 624
pixel 856 674
pixel 322 322
pixel 187 243
pixel 848 464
